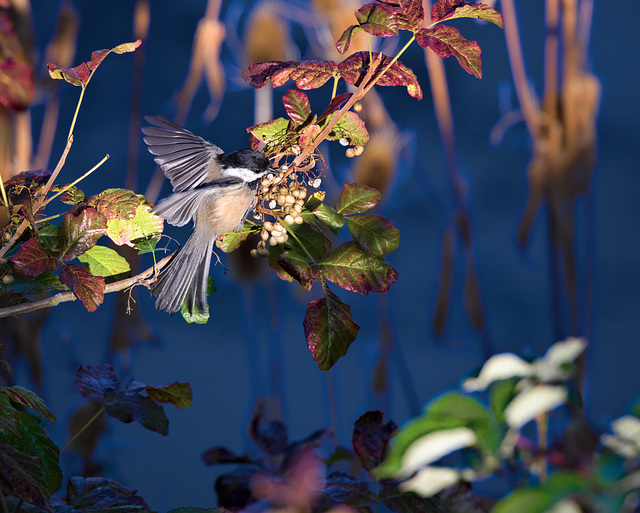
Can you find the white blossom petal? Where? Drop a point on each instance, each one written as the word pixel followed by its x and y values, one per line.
pixel 565 506
pixel 530 403
pixel 432 447
pixel 551 366
pixel 626 438
pixel 498 367
pixel 431 480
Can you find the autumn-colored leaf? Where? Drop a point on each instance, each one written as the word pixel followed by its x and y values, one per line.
pixel 143 225
pixel 478 11
pixel 299 267
pixel 297 105
pixel 233 240
pixel 446 41
pixel 355 199
pixel 306 74
pixel 176 393
pixel 354 269
pixel 271 133
pixel 80 232
pixel 258 73
pixel 81 74
pixel 23 186
pixel 115 203
pixel 33 260
pixel 16 73
pixel 97 382
pixel 308 135
pixel 355 67
pixel 88 288
pixel 335 105
pixel 349 127
pixel 374 233
pixel 72 195
pixel 378 19
pixel 329 329
pixel 444 7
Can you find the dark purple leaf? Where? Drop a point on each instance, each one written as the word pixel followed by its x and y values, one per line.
pixel 355 199
pixel 88 288
pixel 313 74
pixel 329 329
pixel 23 186
pixel 33 260
pixel 299 267
pixel 128 407
pixel 446 41
pixel 80 232
pixel 223 455
pixel 335 105
pixel 234 489
pixel 355 67
pixel 409 502
pixel 374 233
pixel 297 105
pixel 342 488
pixel 371 437
pixel 80 75
pixel 354 269
pixel 97 382
pixel 85 494
pixel 271 437
pixel 115 203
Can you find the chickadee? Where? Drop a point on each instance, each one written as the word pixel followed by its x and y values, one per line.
pixel 214 188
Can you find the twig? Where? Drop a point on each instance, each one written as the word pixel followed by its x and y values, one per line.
pixel 63 297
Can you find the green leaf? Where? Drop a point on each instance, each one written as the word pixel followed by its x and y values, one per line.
pixel 374 233
pixel 297 105
pixel 314 241
pixel 72 196
pixel 33 260
pixel 196 316
pixel 80 232
pixel 143 225
pixel 116 203
pixel 500 394
pixel 354 269
pixel 355 199
pixel 88 288
pixel 274 133
pixel 233 240
pixel 329 329
pixel 29 399
pixel 146 244
pixel 105 262
pixel 446 41
pixel 49 237
pixel 81 74
pixel 329 217
pixel 447 411
pixel 41 283
pixel 349 127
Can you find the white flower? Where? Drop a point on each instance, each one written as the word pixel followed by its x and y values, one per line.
pixel 551 367
pixel 626 438
pixel 433 446
pixel 498 367
pixel 530 403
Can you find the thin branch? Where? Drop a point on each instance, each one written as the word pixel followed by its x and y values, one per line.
pixel 64 297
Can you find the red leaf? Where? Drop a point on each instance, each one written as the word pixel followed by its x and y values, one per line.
pixel 329 329
pixel 354 269
pixel 335 105
pixel 478 11
pixel 371 437
pixel 81 74
pixel 297 105
pixel 446 41
pixel 378 19
pixel 115 203
pixel 299 267
pixel 354 68
pixel 443 7
pixel 33 260
pixel 81 232
pixel 306 74
pixel 88 288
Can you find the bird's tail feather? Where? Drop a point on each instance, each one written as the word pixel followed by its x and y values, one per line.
pixel 185 278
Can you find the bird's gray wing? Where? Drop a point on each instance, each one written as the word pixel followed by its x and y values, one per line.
pixel 180 207
pixel 187 160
